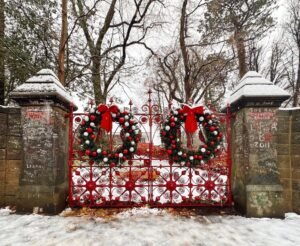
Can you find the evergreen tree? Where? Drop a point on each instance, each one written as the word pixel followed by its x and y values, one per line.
pixel 237 22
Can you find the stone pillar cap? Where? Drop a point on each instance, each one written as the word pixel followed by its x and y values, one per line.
pixel 43 85
pixel 254 88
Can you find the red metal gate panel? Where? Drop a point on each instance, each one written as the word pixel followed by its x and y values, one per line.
pixel 149 178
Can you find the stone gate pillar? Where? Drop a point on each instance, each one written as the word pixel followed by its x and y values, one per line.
pixel 43 180
pixel 256 187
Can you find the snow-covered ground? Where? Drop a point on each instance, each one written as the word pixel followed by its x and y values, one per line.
pixel 145 226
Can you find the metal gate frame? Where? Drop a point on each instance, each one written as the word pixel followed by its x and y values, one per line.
pixel 153 181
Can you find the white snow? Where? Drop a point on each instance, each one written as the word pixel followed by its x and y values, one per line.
pixel 294 108
pixel 44 83
pixel 148 227
pixel 254 85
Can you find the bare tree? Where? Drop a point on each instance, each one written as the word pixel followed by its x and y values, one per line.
pixel 293 29
pixel 108 48
pixel 187 72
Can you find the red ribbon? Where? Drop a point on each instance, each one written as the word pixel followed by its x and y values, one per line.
pixel 191 122
pixel 107 121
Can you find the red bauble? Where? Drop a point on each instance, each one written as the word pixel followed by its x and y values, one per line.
pixel 87 152
pixel 200 157
pixel 188 164
pixel 129 138
pixel 131 122
pixel 104 153
pixel 208 152
pixel 173 142
pixel 184 155
pixel 92 117
pixel 130 130
pixel 93 136
pixel 171 137
pixel 83 123
pixel 205 146
pixel 125 112
pixel 125 151
pixel 124 158
pixel 169 151
pixel 164 133
pixel 117 155
pixel 173 146
pixel 212 143
pixel 112 164
pixel 172 119
pixel 89 130
pixel 121 120
pixel 220 134
pixel 212 128
pixel 172 124
pixel 94 153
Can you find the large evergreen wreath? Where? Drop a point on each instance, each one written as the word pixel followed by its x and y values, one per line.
pixel 103 117
pixel 193 118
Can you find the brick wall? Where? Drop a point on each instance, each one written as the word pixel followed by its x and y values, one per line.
pixel 289 156
pixel 11 154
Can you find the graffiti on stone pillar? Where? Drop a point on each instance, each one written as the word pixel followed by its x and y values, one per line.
pixel 262 126
pixel 38 144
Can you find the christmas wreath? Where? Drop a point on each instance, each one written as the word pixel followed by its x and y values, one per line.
pixel 102 117
pixel 193 118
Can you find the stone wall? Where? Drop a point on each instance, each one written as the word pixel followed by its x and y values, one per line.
pixel 289 157
pixel 11 154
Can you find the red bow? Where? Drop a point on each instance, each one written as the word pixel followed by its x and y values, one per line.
pixel 106 121
pixel 191 122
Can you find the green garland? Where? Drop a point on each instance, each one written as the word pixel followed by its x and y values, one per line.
pixel 89 129
pixel 170 135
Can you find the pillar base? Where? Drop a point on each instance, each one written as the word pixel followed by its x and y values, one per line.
pixel 265 201
pixel 41 199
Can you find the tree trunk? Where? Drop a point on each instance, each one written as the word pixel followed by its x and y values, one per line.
pixel 241 50
pixel 297 86
pixel 184 52
pixel 96 79
pixel 2 52
pixel 63 41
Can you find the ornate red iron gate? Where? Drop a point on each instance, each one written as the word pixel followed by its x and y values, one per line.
pixel 149 178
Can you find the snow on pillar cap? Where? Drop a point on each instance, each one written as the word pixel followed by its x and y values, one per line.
pixel 255 91
pixel 43 86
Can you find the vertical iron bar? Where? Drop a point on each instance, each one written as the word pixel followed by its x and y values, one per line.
pixel 70 159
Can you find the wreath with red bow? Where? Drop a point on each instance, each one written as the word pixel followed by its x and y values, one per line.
pixel 104 116
pixel 193 118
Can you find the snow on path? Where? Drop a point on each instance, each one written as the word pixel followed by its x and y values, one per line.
pixel 147 227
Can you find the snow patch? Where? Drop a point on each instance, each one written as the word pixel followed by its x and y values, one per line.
pixel 5 211
pixel 292 216
pixel 144 211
